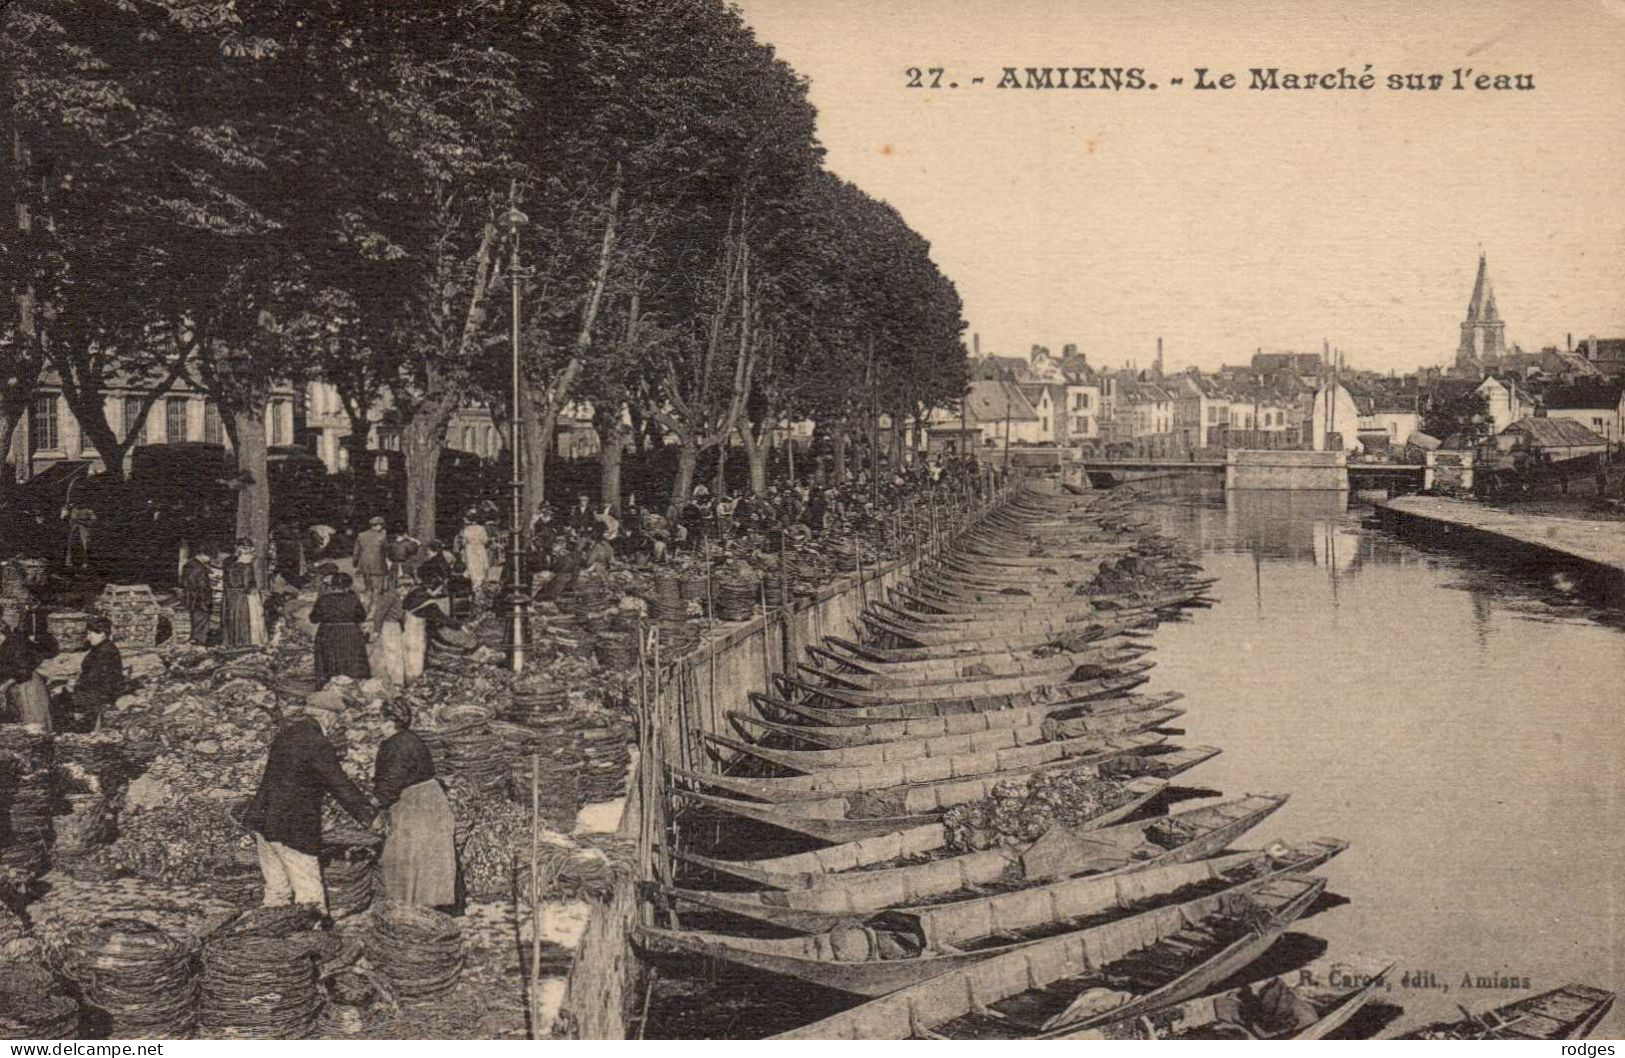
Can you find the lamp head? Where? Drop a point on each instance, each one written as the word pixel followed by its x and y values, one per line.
pixel 513 220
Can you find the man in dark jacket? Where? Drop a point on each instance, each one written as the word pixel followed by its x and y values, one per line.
pixel 197 591
pixel 101 676
pixel 372 558
pixel 286 813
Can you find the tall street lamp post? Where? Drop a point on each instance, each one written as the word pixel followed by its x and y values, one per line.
pixel 513 221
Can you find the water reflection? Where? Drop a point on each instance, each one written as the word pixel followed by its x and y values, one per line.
pixel 1460 725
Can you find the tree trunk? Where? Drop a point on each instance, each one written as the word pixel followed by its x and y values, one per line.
pixel 356 444
pixel 8 474
pixel 537 428
pixel 757 453
pixel 254 498
pixel 422 441
pixel 90 411
pixel 688 459
pixel 840 441
pixel 720 488
pixel 609 468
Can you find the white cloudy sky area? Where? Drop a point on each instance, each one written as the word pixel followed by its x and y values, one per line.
pixel 1225 221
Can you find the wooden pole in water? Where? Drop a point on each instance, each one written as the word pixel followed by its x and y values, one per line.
pixel 767 623
pixel 535 990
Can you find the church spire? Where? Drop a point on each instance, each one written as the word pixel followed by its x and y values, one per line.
pixel 1481 290
pixel 1483 334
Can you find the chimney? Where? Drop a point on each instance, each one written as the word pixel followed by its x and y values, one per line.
pixel 1568 342
pixel 1591 347
pixel 1159 355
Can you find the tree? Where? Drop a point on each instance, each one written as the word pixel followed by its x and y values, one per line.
pixel 1464 417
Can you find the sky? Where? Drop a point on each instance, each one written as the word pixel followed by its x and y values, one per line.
pixel 1225 221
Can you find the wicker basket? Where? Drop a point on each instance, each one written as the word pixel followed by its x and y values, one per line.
pixel 68 629
pixel 134 611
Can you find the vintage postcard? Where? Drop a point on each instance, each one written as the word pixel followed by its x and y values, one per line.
pixel 811 519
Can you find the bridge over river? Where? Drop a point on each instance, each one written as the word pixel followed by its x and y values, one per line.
pixel 1274 469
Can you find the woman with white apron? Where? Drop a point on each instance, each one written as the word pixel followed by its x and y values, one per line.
pixel 422 606
pixel 387 651
pixel 473 541
pixel 419 861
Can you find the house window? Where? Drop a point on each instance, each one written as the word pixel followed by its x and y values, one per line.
pixel 1045 424
pixel 132 417
pixel 43 428
pixel 280 414
pixel 214 430
pixel 175 419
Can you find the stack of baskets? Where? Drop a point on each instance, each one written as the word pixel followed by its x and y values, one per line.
pixel 419 950
pixel 530 702
pixel 670 614
pixel 558 788
pixel 256 986
pixel 691 586
pixel 25 767
pixel 465 745
pixel 140 977
pixel 240 883
pixel 736 597
pixel 606 752
pixel 347 872
pixel 134 611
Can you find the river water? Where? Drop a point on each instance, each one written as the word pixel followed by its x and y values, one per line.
pixel 1462 727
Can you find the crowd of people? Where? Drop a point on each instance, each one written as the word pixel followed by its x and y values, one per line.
pixel 400 598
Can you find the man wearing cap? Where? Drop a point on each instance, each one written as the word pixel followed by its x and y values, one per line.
pixel 372 557
pixel 285 814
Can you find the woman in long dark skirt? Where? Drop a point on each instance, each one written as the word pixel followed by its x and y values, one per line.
pixel 341 650
pixel 242 611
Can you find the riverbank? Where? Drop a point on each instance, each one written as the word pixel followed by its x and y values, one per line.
pixel 1455 721
pixel 1596 548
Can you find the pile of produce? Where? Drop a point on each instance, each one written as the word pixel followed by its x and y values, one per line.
pixel 488 854
pixel 1023 810
pixel 142 979
pixel 419 950
pixel 183 843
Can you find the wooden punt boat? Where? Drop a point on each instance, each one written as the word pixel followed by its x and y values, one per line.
pixel 921 782
pixel 903 948
pixel 832 666
pixel 1115 626
pixel 1568 1013
pixel 810 728
pixel 957 697
pixel 1159 957
pixel 1102 634
pixel 950 746
pixel 1078 608
pixel 927 689
pixel 846 710
pixel 992 634
pixel 809 891
pixel 953 596
pixel 1325 994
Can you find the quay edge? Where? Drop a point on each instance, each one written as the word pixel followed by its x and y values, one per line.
pixel 1592 550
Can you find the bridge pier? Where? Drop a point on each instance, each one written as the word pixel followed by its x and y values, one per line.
pixel 1286 469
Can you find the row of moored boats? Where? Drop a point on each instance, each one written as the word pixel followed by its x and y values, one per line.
pixel 1018 653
